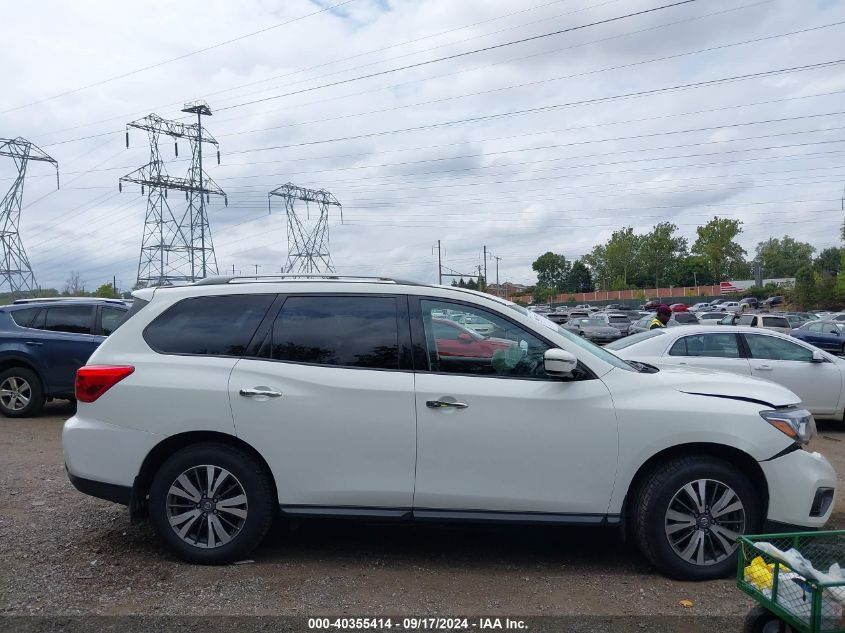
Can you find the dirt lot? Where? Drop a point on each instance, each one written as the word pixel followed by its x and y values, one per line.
pixel 62 553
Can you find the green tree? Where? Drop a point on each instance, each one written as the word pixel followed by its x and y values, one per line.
pixel 580 279
pixel 106 290
pixel 660 252
pixel 717 245
pixel 803 294
pixel 472 284
pixel 693 270
pixel 621 252
pixel 542 294
pixel 596 259
pixel 783 257
pixel 462 283
pixel 552 271
pixel 829 261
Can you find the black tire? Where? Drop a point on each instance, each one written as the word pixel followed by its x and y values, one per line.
pixel 761 620
pixel 255 484
pixel 29 385
pixel 652 501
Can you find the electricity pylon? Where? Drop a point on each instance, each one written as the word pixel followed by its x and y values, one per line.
pixel 176 247
pixel 308 247
pixel 15 269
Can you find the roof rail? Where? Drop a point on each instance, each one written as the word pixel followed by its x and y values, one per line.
pixel 71 299
pixel 228 279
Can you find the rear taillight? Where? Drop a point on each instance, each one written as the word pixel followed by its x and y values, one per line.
pixel 92 381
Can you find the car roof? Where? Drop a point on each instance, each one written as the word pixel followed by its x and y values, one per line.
pixel 59 302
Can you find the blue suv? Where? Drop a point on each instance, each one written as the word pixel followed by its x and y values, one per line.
pixel 43 343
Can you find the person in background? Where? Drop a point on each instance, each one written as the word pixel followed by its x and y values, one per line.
pixel 664 313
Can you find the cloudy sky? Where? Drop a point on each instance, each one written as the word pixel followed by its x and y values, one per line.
pixel 713 107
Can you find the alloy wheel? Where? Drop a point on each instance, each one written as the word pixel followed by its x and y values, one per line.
pixel 703 520
pixel 15 393
pixel 206 506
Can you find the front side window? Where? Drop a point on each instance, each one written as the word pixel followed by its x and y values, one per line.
pixel 772 348
pixel 208 326
pixel 706 345
pixel 71 319
pixel 508 350
pixel 339 331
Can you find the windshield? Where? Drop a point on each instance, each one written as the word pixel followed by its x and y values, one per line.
pixel 581 342
pixel 622 343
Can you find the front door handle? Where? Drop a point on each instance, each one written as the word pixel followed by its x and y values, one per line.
pixel 34 343
pixel 764 367
pixel 269 393
pixel 443 404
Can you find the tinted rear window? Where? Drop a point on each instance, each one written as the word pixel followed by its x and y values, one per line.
pixel 72 319
pixel 211 326
pixel 24 317
pixel 775 322
pixel 341 331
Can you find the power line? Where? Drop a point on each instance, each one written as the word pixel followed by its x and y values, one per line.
pixel 174 59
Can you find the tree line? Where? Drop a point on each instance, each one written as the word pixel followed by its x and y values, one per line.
pixel 661 258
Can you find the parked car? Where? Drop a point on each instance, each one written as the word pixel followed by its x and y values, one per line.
pixel 770 322
pixel 43 343
pixel 774 301
pixel 702 306
pixel 815 376
pixel 679 307
pixel 474 323
pixel 718 301
pixel 826 335
pixel 836 317
pixel 461 342
pixel 709 318
pixel 652 305
pixel 795 321
pixel 615 320
pixel 219 405
pixel 728 306
pixel 595 329
pixel 684 318
pixel 610 307
pixel 677 318
pixel 729 319
pixel 752 302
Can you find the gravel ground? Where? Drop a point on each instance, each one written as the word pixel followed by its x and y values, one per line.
pixel 63 553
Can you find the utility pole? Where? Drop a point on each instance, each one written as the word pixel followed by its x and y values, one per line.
pixel 498 289
pixel 485 263
pixel 257 266
pixel 114 286
pixel 439 265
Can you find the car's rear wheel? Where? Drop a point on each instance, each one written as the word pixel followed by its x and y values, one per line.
pixel 212 503
pixel 21 394
pixel 688 513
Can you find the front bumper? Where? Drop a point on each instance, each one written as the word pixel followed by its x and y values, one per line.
pixel 794 479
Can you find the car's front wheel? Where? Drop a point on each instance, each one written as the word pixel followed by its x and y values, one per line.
pixel 21 394
pixel 212 503
pixel 688 513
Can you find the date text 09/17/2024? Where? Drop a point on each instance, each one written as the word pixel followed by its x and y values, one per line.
pixel 416 624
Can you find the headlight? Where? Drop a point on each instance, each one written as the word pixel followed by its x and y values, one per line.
pixel 798 424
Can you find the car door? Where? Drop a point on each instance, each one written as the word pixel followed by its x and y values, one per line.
pixel 497 435
pixel 63 344
pixel 720 351
pixel 790 364
pixel 328 399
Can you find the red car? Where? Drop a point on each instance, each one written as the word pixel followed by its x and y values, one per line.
pixel 678 307
pixel 455 340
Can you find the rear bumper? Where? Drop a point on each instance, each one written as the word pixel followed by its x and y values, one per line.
pixel 794 480
pixel 101 490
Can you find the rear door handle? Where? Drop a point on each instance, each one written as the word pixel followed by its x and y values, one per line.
pixel 269 393
pixel 35 343
pixel 443 404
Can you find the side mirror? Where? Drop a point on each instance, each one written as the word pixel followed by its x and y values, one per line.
pixel 465 337
pixel 817 357
pixel 559 362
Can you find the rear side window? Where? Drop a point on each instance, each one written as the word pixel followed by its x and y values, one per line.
pixel 685 317
pixel 208 326
pixel 339 331
pixel 25 317
pixel 110 318
pixel 706 345
pixel 72 319
pixel 746 319
pixel 775 322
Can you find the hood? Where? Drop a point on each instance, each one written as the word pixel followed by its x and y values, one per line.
pixel 720 384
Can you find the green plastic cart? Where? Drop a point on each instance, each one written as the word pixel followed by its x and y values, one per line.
pixel 786 601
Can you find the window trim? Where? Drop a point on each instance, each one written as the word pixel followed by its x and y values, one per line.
pixel 184 299
pixel 420 348
pixel 763 332
pixel 262 340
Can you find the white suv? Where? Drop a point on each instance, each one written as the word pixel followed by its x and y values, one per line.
pixel 217 406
